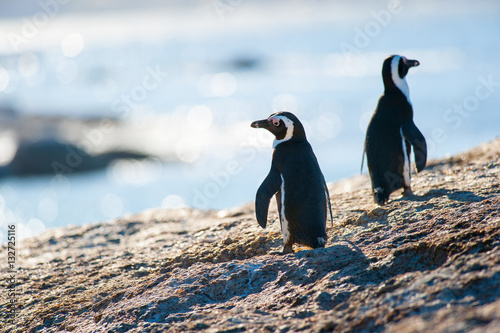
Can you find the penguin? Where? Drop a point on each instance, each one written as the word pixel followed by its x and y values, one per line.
pixel 297 182
pixel 391 134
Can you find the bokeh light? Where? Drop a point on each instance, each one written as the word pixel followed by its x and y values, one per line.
pixel 22 231
pixel 28 64
pixel 329 125
pixel 112 205
pixel 72 45
pixel 223 84
pixel 8 148
pixel 200 117
pixel 48 208
pixel 285 102
pixel 36 226
pixel 173 201
pixel 136 172
pixel 25 209
pixel 188 150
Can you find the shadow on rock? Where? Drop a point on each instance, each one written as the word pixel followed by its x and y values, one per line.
pixel 344 260
pixel 455 195
pixel 210 285
pixel 236 280
pixel 409 258
pixel 417 257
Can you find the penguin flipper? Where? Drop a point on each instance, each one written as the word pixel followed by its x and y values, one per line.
pixel 417 140
pixel 267 189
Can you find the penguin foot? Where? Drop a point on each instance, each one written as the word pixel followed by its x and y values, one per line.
pixel 321 241
pixel 380 196
pixel 286 249
pixel 407 192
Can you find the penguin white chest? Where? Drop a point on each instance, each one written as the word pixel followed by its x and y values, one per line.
pixel 284 221
pixel 406 161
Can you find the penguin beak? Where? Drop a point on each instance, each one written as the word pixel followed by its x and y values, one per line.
pixel 412 63
pixel 260 124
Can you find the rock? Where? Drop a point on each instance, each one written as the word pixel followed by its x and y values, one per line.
pixel 37 157
pixel 66 145
pixel 245 63
pixel 430 263
pixel 51 156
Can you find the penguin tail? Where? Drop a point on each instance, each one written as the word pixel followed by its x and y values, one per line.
pixel 329 203
pixel 380 195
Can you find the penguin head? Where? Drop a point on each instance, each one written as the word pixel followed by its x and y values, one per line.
pixel 394 71
pixel 284 126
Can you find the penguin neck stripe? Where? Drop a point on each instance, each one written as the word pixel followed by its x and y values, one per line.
pixel 400 83
pixel 289 130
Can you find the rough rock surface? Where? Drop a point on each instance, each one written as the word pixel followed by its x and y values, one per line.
pixel 430 263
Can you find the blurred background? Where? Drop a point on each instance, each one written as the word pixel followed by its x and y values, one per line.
pixel 113 107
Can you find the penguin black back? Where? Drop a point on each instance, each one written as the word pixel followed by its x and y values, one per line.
pixel 391 133
pixel 297 182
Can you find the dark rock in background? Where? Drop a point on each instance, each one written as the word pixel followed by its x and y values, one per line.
pixel 53 144
pixel 51 157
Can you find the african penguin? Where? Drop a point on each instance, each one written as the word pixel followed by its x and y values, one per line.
pixel 391 133
pixel 296 180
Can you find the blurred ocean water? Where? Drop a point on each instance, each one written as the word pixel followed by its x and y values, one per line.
pixel 189 77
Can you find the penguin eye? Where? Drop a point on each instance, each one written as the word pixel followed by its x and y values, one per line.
pixel 404 60
pixel 276 122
